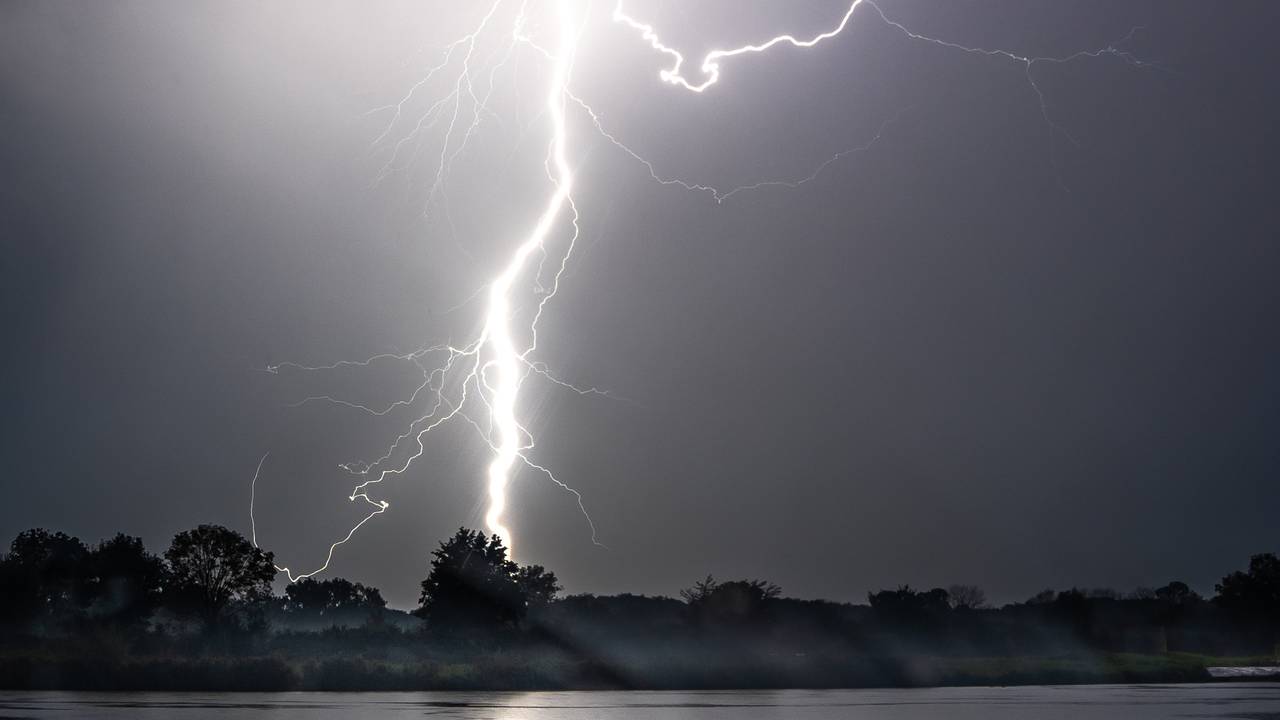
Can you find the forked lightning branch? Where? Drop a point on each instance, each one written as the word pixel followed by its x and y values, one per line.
pixel 480 382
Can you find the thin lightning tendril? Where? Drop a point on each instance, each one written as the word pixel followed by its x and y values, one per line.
pixel 711 69
pixel 491 369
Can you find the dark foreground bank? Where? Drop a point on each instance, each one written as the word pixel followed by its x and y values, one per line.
pixel 553 671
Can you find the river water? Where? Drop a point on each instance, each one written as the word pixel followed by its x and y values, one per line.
pixel 1243 701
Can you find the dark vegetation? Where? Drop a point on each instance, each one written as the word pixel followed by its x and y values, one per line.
pixel 203 616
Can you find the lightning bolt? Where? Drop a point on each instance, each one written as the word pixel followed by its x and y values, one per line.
pixel 494 366
pixel 507 358
pixel 711 70
pixel 489 372
pixel 711 62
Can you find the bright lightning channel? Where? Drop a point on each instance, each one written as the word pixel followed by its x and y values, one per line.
pixel 508 360
pixel 496 350
pixel 495 365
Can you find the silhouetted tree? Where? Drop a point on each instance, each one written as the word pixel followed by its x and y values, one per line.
pixel 474 586
pixel 1174 603
pixel 700 591
pixel 212 568
pixel 1254 592
pixel 539 585
pixel 1176 593
pixel 905 608
pixel 730 602
pixel 966 597
pixel 1072 608
pixel 45 576
pixel 904 600
pixel 908 615
pixel 328 597
pixel 125 580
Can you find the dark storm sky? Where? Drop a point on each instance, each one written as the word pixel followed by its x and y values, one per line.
pixel 974 353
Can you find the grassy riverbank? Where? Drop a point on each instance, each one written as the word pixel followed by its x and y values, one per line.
pixel 554 670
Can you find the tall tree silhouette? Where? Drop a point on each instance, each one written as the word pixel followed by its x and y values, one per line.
pixel 212 568
pixel 538 584
pixel 474 586
pixel 44 576
pixel 125 580
pixel 1256 591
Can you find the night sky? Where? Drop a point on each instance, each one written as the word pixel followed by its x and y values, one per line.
pixel 980 351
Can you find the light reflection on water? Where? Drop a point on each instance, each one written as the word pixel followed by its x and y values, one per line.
pixel 1243 701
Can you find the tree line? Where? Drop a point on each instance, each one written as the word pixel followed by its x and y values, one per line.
pixel 212 578
pixel 211 592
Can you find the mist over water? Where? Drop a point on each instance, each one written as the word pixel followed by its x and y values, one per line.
pixel 1254 701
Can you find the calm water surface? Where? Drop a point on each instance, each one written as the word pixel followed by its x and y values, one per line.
pixel 1246 701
